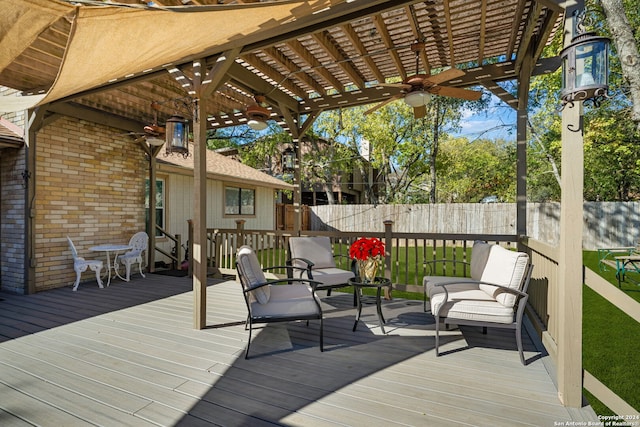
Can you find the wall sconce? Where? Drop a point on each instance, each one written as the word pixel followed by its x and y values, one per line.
pixel 585 66
pixel 288 160
pixel 257 116
pixel 177 136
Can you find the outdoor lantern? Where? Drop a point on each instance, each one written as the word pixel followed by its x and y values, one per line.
pixel 585 67
pixel 288 160
pixel 177 135
pixel 417 98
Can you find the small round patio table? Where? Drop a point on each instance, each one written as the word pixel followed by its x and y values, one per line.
pixel 378 283
pixel 108 248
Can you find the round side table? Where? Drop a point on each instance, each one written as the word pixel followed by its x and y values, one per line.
pixel 378 283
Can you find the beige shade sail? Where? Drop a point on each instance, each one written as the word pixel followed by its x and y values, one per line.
pixel 110 43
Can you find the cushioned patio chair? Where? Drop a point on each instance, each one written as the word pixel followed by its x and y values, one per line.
pixel 315 256
pixel 276 300
pixel 495 296
pixel 80 265
pixel 138 243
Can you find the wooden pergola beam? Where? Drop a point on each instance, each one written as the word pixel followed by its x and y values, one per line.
pixel 324 39
pixel 315 65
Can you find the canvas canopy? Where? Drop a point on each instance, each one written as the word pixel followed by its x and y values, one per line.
pixel 109 43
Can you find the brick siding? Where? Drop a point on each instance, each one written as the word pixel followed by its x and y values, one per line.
pixel 90 182
pixel 12 223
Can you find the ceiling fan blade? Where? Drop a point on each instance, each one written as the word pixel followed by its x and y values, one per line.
pixel 455 92
pixel 419 112
pixel 445 76
pixel 400 85
pixel 382 104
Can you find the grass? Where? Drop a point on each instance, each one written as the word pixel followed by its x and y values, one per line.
pixel 611 348
pixel 610 344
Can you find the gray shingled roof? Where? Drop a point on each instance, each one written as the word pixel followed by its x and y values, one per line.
pixel 223 168
pixel 10 135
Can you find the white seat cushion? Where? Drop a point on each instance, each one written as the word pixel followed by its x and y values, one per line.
pixel 287 301
pixel 431 282
pixel 468 302
pixel 316 249
pixel 331 276
pixel 479 256
pixel 253 274
pixel 506 268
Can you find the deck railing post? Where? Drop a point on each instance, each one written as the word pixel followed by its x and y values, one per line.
pixel 388 243
pixel 178 238
pixel 189 247
pixel 240 232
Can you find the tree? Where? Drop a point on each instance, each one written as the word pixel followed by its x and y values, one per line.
pixel 406 148
pixel 335 150
pixel 619 23
pixel 471 170
pixel 611 138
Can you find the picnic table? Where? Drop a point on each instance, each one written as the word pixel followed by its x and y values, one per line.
pixel 623 259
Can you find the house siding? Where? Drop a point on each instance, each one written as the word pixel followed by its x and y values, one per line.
pixel 12 222
pixel 179 208
pixel 89 186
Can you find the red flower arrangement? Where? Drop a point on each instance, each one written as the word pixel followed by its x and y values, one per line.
pixel 365 248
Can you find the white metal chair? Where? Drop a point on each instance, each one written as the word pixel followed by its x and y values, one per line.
pixel 80 265
pixel 139 243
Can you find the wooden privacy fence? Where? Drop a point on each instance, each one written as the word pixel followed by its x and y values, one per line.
pixel 606 224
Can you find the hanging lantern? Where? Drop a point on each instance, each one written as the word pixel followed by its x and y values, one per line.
pixel 177 135
pixel 585 66
pixel 288 160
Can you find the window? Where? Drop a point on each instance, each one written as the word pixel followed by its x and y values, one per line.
pixel 159 204
pixel 239 201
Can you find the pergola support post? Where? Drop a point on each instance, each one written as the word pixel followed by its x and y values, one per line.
pixel 199 254
pixel 570 275
pixel 297 129
pixel 521 148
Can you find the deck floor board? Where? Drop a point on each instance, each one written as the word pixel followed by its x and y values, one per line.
pixel 128 355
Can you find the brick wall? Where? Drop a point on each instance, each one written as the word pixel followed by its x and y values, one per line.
pixel 90 186
pixel 12 222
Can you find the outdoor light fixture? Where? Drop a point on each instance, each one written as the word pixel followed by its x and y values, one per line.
pixel 417 98
pixel 155 141
pixel 177 136
pixel 257 116
pixel 585 66
pixel 288 160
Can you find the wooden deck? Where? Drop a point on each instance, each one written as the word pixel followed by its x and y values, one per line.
pixel 128 355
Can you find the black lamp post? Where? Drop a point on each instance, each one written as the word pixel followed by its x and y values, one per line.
pixel 177 128
pixel 585 66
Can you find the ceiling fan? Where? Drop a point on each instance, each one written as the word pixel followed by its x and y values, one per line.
pixel 257 114
pixel 416 90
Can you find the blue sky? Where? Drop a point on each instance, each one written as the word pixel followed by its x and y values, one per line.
pixel 489 124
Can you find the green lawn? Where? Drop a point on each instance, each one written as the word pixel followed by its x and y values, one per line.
pixel 610 340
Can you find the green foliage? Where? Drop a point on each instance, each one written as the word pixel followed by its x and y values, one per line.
pixel 612 152
pixel 469 171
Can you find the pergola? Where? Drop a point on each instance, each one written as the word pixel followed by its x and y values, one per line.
pixel 109 63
